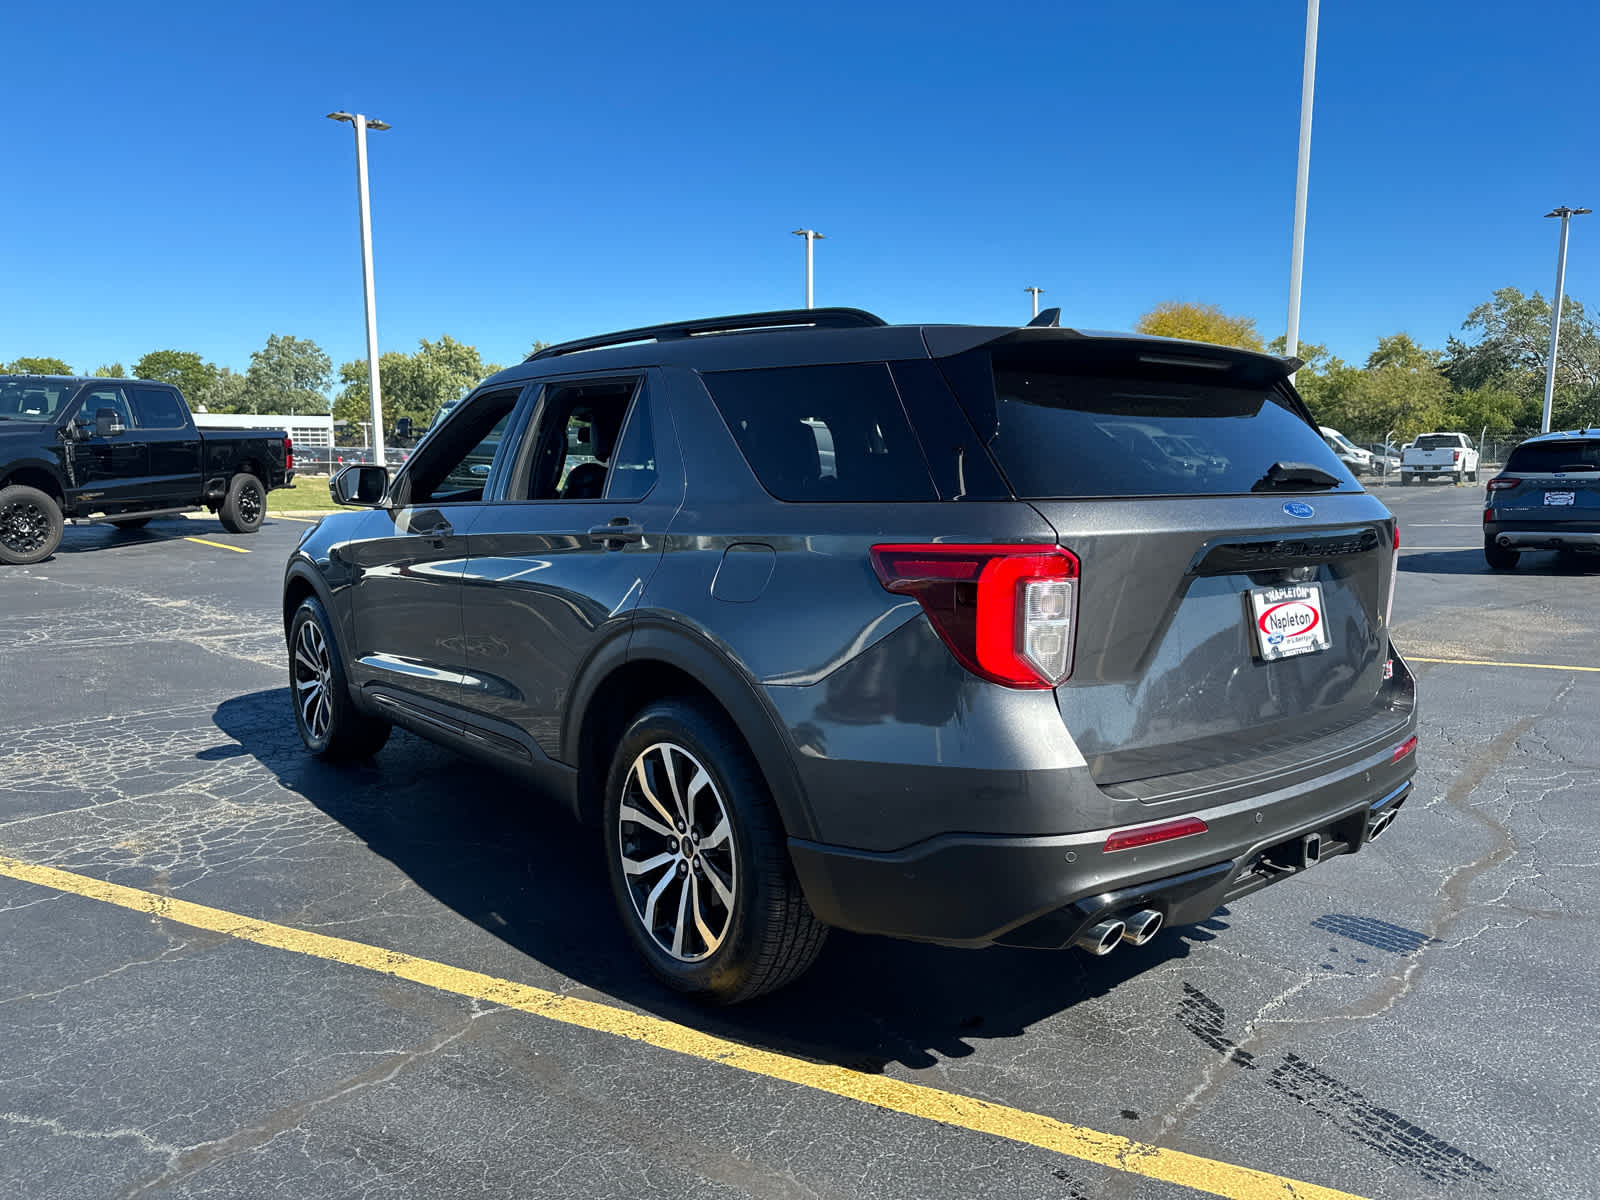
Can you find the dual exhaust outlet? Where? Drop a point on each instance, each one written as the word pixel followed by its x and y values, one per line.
pixel 1136 929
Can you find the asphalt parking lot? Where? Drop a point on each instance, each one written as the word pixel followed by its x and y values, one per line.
pixel 406 979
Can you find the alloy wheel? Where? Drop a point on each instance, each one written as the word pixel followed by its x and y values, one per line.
pixel 313 681
pixel 24 527
pixel 678 858
pixel 250 503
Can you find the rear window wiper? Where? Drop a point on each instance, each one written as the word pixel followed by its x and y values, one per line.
pixel 1290 474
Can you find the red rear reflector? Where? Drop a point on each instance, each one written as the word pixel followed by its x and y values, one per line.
pixel 1404 748
pixel 1161 831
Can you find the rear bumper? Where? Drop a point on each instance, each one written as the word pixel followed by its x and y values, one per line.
pixel 975 890
pixel 1536 537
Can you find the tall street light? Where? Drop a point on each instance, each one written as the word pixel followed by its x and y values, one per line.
pixel 1302 176
pixel 1035 291
pixel 810 235
pixel 362 124
pixel 1566 214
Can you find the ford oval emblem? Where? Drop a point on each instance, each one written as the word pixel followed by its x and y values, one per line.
pixel 1299 508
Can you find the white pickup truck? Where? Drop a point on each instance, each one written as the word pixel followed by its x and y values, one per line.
pixel 1449 456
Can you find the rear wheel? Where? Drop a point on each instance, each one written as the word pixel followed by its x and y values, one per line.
pixel 245 506
pixel 1405 478
pixel 330 724
pixel 1474 474
pixel 1499 558
pixel 30 525
pixel 698 861
pixel 1460 478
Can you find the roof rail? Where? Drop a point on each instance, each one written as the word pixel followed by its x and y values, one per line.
pixel 791 318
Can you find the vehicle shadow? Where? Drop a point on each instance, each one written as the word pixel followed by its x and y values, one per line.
pixel 86 539
pixel 1471 562
pixel 479 842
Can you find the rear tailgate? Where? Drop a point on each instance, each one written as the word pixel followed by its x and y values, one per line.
pixel 1227 627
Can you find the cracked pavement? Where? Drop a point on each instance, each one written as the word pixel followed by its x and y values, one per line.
pixel 1409 1022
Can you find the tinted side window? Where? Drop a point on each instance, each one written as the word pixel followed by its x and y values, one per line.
pixel 830 433
pixel 157 408
pixel 633 466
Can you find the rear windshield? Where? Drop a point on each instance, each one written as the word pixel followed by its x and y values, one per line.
pixel 1544 457
pixel 1437 441
pixel 1062 429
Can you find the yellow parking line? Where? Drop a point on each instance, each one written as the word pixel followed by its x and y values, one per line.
pixel 218 545
pixel 911 1099
pixel 1484 662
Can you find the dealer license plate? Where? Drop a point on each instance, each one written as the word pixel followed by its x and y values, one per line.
pixel 1560 498
pixel 1288 620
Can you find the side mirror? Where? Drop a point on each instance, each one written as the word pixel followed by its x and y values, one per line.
pixel 403 427
pixel 107 423
pixel 362 485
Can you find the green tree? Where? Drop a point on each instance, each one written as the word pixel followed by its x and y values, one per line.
pixel 224 394
pixel 537 346
pixel 1401 350
pixel 414 385
pixel 353 404
pixel 1199 323
pixel 111 371
pixel 185 369
pixel 1501 411
pixel 38 366
pixel 1510 349
pixel 288 375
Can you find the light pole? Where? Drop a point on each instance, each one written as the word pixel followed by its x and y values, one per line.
pixel 1302 178
pixel 810 235
pixel 1035 291
pixel 1566 214
pixel 362 124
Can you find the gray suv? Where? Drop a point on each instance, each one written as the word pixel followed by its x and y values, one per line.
pixel 909 630
pixel 1547 498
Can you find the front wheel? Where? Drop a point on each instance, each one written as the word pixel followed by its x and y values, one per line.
pixel 330 724
pixel 1499 558
pixel 245 506
pixel 30 525
pixel 698 860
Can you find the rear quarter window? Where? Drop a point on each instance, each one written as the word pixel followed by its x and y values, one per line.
pixel 833 433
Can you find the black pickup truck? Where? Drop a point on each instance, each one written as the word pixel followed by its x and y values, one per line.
pixel 121 451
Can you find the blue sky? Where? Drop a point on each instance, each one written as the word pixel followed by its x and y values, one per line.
pixel 560 170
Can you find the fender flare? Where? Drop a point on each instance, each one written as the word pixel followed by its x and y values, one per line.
pixel 48 467
pixel 302 569
pixel 738 694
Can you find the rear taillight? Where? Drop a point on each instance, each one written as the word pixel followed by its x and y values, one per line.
pixel 1455 456
pixel 1394 578
pixel 1149 835
pixel 1404 748
pixel 1008 613
pixel 288 454
pixel 1502 483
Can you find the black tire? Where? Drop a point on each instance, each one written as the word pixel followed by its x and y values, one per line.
pixel 245 506
pixel 132 523
pixel 1405 479
pixel 766 936
pixel 30 525
pixel 330 724
pixel 1474 474
pixel 1498 557
pixel 1461 477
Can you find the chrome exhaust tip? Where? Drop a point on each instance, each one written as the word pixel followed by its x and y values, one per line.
pixel 1379 823
pixel 1102 938
pixel 1142 926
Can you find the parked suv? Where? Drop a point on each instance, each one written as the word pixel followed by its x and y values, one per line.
pixel 825 622
pixel 1547 498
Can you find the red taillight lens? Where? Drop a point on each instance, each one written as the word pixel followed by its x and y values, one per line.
pixel 1008 613
pixel 1149 835
pixel 1404 748
pixel 1455 456
pixel 288 454
pixel 1501 483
